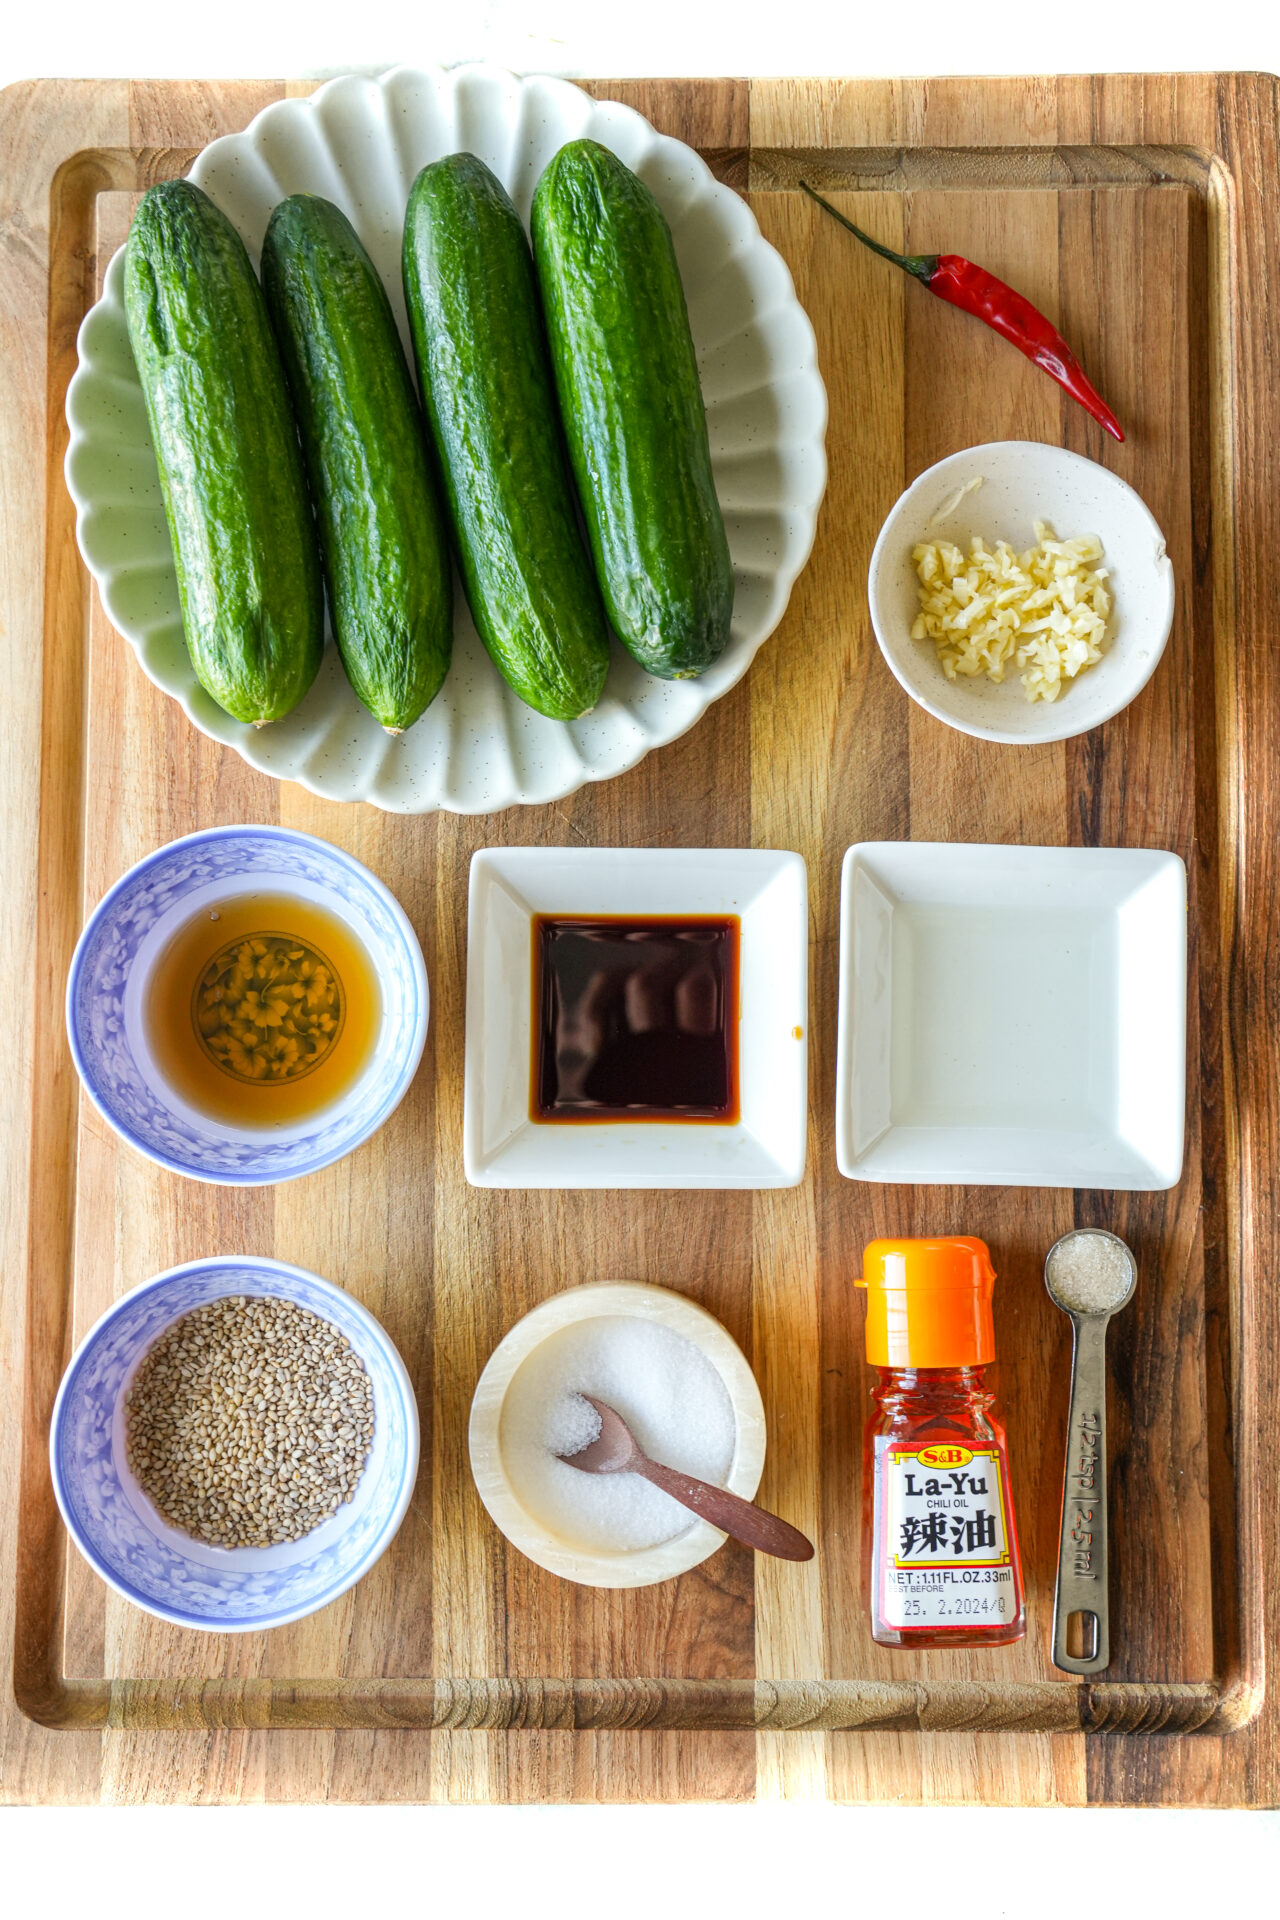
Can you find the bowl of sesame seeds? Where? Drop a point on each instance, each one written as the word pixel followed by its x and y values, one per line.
pixel 234 1444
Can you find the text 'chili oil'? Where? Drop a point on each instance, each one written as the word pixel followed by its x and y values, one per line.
pixel 940 1542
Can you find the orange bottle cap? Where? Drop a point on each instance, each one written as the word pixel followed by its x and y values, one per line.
pixel 929 1302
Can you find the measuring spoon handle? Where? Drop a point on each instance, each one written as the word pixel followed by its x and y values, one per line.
pixel 1082 1548
pixel 728 1511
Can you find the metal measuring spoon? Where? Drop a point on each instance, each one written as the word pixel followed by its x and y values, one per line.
pixel 1089 1290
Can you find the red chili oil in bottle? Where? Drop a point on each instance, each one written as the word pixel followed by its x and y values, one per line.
pixel 940 1542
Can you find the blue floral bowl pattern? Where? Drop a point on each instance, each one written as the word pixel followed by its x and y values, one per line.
pixel 124 1538
pixel 122 934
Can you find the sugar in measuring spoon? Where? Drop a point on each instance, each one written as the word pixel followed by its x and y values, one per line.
pixel 1090 1274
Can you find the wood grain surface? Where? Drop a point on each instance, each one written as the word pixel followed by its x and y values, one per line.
pixel 1132 209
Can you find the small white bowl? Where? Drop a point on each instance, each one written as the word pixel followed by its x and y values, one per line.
pixel 126 1539
pixel 1024 481
pixel 623 1567
pixel 503 1146
pixel 1012 1016
pixel 127 933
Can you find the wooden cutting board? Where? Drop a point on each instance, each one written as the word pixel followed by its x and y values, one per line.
pixel 1135 210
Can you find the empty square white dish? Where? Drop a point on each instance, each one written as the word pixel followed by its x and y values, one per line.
pixel 1012 1016
pixel 503 1146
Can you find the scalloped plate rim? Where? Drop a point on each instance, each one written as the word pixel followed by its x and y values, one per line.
pixel 800 511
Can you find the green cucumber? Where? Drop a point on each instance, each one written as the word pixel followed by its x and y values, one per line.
pixel 382 535
pixel 235 494
pixel 486 384
pixel 632 407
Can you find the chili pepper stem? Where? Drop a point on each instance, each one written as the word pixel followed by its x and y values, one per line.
pixel 922 265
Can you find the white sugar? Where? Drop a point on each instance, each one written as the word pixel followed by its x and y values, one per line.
pixel 572 1424
pixel 1089 1272
pixel 668 1393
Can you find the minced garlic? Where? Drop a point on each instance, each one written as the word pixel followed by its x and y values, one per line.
pixel 1043 612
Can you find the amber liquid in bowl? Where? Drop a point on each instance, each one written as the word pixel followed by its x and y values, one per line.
pixel 263 1010
pixel 635 1018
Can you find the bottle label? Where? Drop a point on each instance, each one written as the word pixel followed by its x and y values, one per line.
pixel 943 1552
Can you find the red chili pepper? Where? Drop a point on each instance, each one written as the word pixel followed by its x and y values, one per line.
pixel 1007 312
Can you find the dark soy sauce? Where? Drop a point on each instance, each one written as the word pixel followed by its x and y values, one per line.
pixel 635 1019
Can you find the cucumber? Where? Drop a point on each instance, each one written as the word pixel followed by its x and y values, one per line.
pixel 631 403
pixel 486 384
pixel 382 537
pixel 235 494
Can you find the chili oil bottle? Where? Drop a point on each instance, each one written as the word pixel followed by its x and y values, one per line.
pixel 940 1542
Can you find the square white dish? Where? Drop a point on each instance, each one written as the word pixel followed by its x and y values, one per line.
pixel 504 1147
pixel 1012 1016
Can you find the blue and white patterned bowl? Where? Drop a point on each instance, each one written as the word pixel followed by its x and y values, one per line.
pixel 166 1572
pixel 128 931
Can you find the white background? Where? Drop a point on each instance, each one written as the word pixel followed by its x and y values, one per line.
pixel 633 1861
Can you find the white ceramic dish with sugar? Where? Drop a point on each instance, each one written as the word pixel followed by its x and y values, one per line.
pixel 1024 481
pixel 503 1146
pixel 1012 1016
pixel 576 1551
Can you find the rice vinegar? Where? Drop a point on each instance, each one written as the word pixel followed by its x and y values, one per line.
pixel 263 1010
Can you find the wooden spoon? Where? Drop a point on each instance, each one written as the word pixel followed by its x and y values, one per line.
pixel 615 1450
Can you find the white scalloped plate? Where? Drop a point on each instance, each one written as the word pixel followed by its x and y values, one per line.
pixel 477 748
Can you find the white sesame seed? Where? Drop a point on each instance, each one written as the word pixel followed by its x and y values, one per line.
pixel 207 1444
